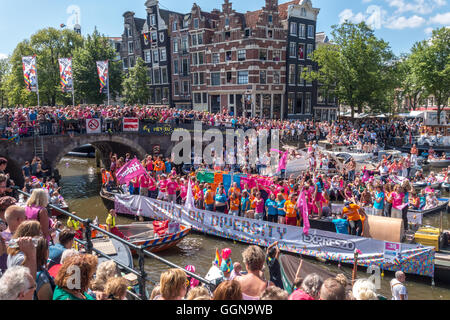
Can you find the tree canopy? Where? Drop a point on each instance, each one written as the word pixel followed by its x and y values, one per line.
pixel 135 89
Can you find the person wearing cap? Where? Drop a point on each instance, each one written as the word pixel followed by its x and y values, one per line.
pixel 354 213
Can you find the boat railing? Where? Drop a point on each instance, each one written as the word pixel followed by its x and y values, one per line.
pixel 140 250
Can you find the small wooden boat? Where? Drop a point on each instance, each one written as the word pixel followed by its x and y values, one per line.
pixel 439 163
pixel 63 206
pixel 142 234
pixel 114 249
pixel 443 204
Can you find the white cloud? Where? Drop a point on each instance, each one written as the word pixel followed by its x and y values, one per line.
pixel 416 6
pixel 399 23
pixel 373 16
pixel 428 31
pixel 443 19
pixel 3 56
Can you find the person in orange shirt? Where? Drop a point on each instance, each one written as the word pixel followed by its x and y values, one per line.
pixel 235 204
pixel 291 211
pixel 354 216
pixel 234 188
pixel 209 199
pixel 159 167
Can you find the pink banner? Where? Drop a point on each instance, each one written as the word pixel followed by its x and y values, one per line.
pixel 302 204
pixel 130 171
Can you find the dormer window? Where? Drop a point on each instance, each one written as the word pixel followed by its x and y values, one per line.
pixel 196 23
pixel 303 12
pixel 153 19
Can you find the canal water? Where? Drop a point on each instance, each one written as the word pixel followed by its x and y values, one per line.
pixel 81 184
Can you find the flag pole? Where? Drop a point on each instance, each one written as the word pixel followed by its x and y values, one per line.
pixel 108 82
pixel 37 85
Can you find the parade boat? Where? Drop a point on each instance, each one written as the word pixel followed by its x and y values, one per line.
pixel 63 206
pixel 152 236
pixel 443 204
pixel 412 258
pixel 439 163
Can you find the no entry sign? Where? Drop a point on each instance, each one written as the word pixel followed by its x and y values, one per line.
pixel 131 124
pixel 93 126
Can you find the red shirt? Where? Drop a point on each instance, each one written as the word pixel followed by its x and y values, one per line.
pixel 300 295
pixel 172 187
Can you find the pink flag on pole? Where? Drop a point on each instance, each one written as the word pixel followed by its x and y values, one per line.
pixel 302 204
pixel 130 171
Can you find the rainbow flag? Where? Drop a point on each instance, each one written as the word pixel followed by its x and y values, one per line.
pixel 218 261
pixel 65 70
pixel 30 73
pixel 146 37
pixel 103 75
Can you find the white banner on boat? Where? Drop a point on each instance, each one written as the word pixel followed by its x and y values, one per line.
pixel 317 243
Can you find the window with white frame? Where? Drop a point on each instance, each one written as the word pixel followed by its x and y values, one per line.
pixel 195 78
pixel 165 78
pixel 194 59
pixel 185 67
pixel 175 67
pixel 300 79
pixel 197 98
pixel 293 28
pixel 175 25
pixel 276 77
pixel 175 45
pixel 154 37
pixel 308 103
pixel 201 78
pixel 216 58
pixel 194 40
pixel 262 77
pixel 293 49
pixel 309 71
pixel 200 38
pixel 276 55
pixel 309 51
pixel 153 19
pixel 155 56
pixel 125 63
pixel 215 78
pixel 129 31
pixel 270 18
pixel 186 87
pixel 302 30
pixel 303 12
pixel 156 76
pixel 131 61
pixel 227 22
pixel 150 76
pixel 148 56
pixel 161 37
pixel 163 56
pixel 196 23
pixel 130 47
pixel 311 32
pixel 242 77
pixel 292 74
pixel 184 44
pixel 176 88
pixel 263 54
pixel 201 58
pixel 241 54
pixel 301 51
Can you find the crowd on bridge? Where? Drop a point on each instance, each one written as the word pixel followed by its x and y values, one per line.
pixel 27 121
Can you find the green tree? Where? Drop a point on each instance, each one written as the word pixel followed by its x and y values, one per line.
pixel 4 71
pixel 48 45
pixel 95 48
pixel 410 88
pixel 357 64
pixel 432 66
pixel 135 89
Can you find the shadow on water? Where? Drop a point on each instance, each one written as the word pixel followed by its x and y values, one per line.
pixel 81 182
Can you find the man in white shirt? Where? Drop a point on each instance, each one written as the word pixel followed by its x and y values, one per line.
pixel 398 288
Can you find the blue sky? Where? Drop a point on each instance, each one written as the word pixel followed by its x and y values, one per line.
pixel 400 22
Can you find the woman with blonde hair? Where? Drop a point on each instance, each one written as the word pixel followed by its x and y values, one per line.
pixel 198 292
pixel 105 271
pixel 116 288
pixel 36 210
pixel 364 289
pixel 173 284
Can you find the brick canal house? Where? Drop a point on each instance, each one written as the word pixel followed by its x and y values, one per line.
pixel 250 63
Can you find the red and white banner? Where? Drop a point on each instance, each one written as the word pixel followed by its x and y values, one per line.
pixel 131 124
pixel 93 126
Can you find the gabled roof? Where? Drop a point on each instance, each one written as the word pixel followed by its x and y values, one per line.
pixel 283 8
pixel 139 24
